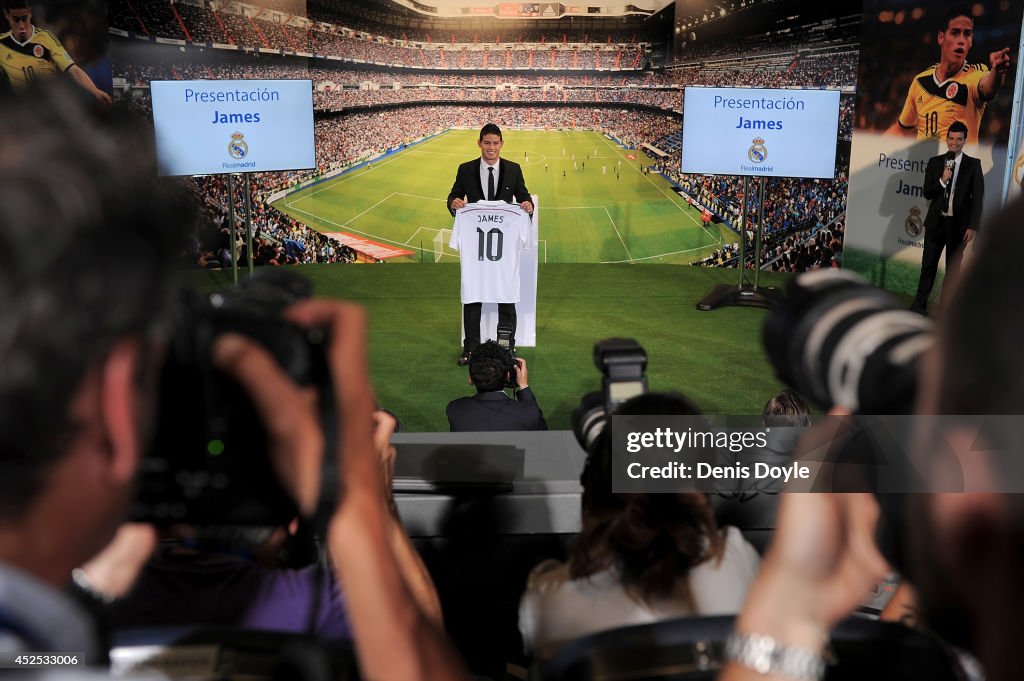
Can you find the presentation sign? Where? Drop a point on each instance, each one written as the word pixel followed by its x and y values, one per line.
pixel 205 127
pixel 771 133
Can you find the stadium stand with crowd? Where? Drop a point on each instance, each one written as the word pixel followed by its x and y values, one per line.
pixel 379 86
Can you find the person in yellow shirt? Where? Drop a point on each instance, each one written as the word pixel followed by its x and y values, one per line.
pixel 27 53
pixel 952 90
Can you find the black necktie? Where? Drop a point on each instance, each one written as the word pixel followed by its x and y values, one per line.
pixel 490 183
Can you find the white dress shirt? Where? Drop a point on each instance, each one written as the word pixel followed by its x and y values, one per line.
pixel 483 179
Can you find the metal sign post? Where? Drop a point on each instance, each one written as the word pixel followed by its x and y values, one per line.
pixel 746 293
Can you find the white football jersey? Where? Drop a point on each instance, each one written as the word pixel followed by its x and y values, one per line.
pixel 489 236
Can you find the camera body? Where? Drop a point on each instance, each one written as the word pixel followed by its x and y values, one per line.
pixel 622 363
pixel 507 343
pixel 209 461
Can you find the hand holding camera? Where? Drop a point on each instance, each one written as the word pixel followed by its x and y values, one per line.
pixel 519 375
pixel 288 411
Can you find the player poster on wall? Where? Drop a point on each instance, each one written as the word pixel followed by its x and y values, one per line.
pixel 922 67
pixel 45 39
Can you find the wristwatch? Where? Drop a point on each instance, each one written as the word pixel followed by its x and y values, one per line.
pixel 765 655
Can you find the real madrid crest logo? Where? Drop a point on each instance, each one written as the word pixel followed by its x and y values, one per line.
pixel 759 152
pixel 914 224
pixel 238 147
pixel 38 51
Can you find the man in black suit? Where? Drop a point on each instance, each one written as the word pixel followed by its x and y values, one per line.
pixel 954 184
pixel 489 178
pixel 491 409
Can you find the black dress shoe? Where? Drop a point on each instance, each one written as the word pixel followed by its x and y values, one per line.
pixel 464 359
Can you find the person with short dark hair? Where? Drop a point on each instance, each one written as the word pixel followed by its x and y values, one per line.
pixel 27 53
pixel 491 368
pixel 488 178
pixel 91 243
pixel 786 409
pixel 952 89
pixel 954 184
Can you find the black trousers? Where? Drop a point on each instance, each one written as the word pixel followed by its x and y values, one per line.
pixel 945 235
pixel 471 322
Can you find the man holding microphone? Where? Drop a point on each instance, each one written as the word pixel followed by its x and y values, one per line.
pixel 954 184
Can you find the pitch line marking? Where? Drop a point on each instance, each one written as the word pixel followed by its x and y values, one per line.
pixel 346 226
pixel 435 153
pixel 356 217
pixel 621 241
pixel 424 229
pixel 342 179
pixel 416 196
pixel 660 255
pixel 666 195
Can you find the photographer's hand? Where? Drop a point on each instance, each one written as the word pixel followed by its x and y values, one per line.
pixel 821 564
pixel 395 638
pixel 112 572
pixel 383 428
pixel 415 573
pixel 522 380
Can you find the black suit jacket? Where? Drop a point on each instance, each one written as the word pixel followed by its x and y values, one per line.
pixel 495 411
pixel 968 193
pixel 510 186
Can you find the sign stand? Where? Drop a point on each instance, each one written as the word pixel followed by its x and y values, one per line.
pixel 746 293
pixel 233 235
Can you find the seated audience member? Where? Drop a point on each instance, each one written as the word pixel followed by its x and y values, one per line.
pixel 965 552
pixel 786 415
pixel 491 409
pixel 83 309
pixel 232 576
pixel 754 504
pixel 786 409
pixel 638 558
pixel 229 576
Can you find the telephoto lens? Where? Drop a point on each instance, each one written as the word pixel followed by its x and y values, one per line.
pixel 840 341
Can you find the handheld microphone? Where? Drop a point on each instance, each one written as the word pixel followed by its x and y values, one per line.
pixel 951 164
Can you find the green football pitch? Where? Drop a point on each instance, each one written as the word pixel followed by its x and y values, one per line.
pixel 716 358
pixel 603 211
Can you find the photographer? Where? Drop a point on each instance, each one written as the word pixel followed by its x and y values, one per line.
pixel 964 551
pixel 83 310
pixel 79 354
pixel 492 369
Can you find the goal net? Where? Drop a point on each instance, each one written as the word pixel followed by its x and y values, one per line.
pixel 441 248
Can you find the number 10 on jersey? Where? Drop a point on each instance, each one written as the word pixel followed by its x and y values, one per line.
pixel 494 239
